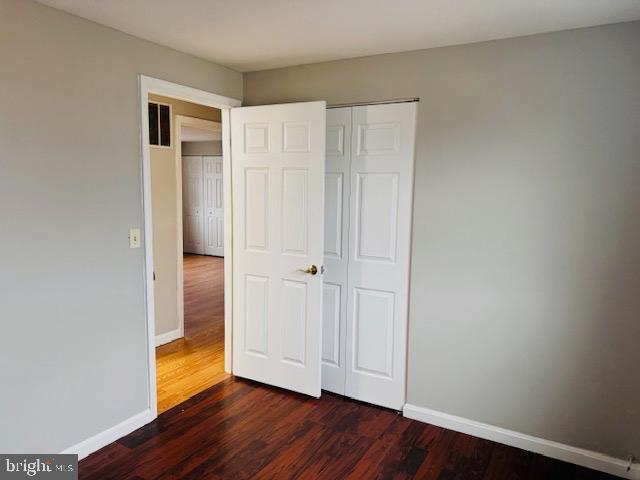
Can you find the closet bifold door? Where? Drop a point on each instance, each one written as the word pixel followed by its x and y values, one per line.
pixel 213 206
pixel 336 247
pixel 193 204
pixel 381 192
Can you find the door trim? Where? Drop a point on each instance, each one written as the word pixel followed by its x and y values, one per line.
pixel 150 85
pixel 183 120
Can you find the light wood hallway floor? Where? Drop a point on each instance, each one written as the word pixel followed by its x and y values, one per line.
pixel 195 362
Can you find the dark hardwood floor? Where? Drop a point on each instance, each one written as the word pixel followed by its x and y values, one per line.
pixel 240 429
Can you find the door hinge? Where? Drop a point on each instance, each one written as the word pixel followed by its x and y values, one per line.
pixel 154 276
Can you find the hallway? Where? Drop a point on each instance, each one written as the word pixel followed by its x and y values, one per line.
pixel 195 362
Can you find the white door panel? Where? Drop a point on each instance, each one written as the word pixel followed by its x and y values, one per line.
pixel 278 155
pixel 213 208
pixel 332 340
pixel 381 179
pixel 337 178
pixel 193 205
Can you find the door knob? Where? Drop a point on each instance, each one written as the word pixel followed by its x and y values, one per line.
pixel 311 270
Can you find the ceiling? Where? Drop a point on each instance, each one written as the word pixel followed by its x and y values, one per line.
pixel 249 35
pixel 192 134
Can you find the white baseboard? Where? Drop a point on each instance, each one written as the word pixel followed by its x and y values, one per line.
pixel 95 443
pixel 548 448
pixel 168 337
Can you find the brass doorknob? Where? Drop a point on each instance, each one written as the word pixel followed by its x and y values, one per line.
pixel 311 270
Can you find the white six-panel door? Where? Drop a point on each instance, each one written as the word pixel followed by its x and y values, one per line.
pixel 192 204
pixel 278 157
pixel 213 206
pixel 336 248
pixel 381 192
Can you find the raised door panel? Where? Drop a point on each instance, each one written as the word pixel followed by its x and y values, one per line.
pixel 336 225
pixel 294 211
pixel 376 216
pixel 380 212
pixel 256 327
pixel 296 137
pixel 219 194
pixel 256 209
pixel 331 331
pixel 188 222
pixel 336 131
pixel 334 205
pixel 192 184
pixel 378 138
pixel 219 242
pixel 294 322
pixel 193 193
pixel 256 137
pixel 373 319
pixel 214 236
pixel 213 206
pixel 192 233
pixel 210 193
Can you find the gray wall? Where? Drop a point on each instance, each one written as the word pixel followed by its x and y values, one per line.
pixel 525 283
pixel 202 148
pixel 73 358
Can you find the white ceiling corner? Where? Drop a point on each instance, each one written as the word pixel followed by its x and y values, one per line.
pixel 249 35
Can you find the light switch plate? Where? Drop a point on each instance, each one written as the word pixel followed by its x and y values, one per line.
pixel 134 238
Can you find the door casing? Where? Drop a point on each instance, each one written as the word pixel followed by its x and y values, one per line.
pixel 150 85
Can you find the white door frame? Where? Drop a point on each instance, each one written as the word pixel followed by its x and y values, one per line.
pixel 183 120
pixel 150 85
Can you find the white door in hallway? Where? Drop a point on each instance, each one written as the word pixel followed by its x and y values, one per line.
pixel 278 163
pixel 192 205
pixel 381 176
pixel 213 206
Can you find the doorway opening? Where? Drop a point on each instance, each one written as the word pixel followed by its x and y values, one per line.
pixel 188 234
pixel 184 147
